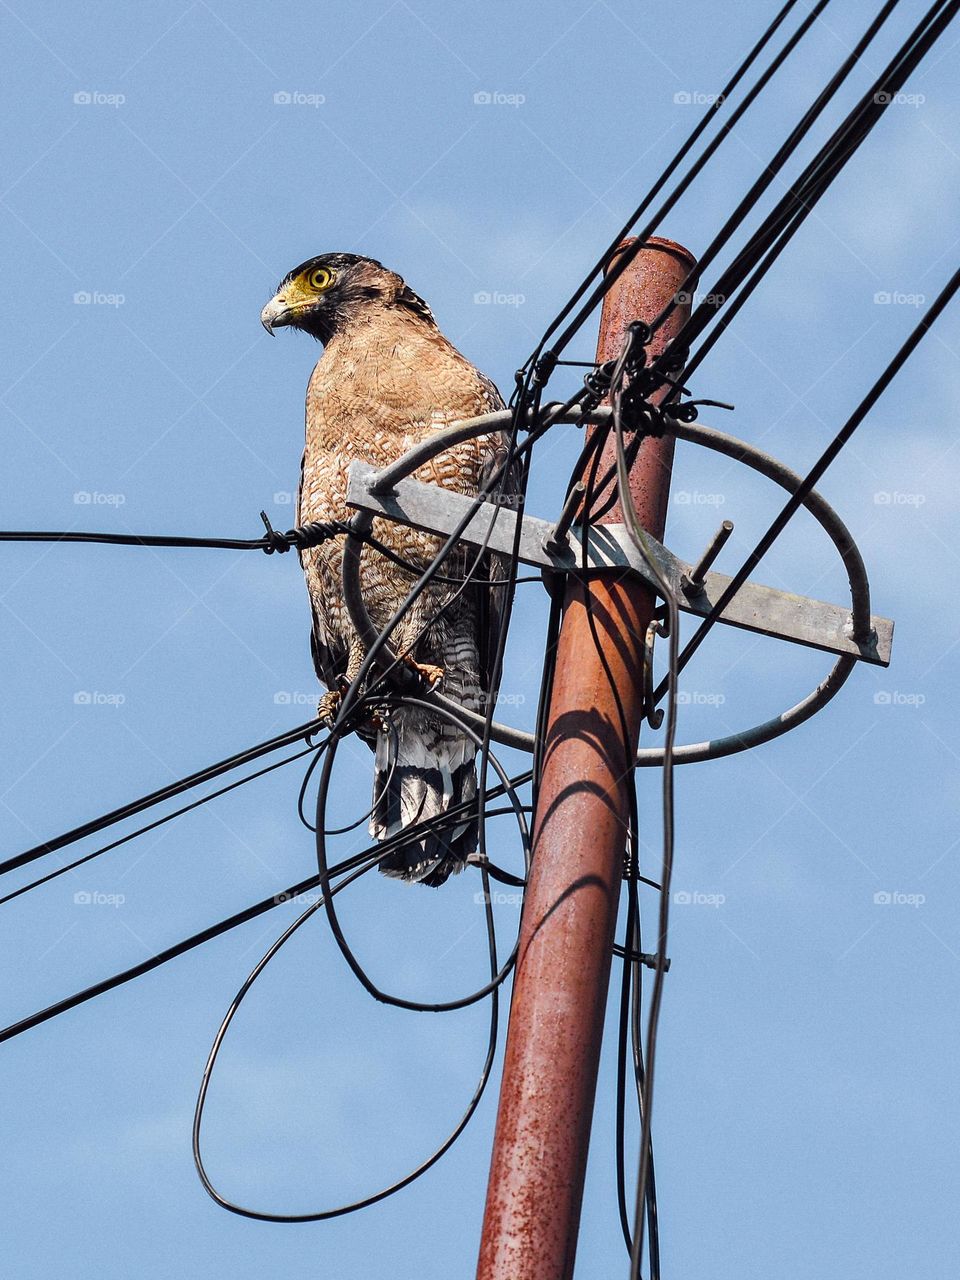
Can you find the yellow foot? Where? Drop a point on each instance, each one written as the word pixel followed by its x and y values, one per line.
pixel 328 706
pixel 428 673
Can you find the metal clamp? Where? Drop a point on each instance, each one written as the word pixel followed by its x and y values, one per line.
pixel 651 712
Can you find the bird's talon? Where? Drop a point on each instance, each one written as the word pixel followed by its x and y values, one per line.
pixel 428 673
pixel 328 707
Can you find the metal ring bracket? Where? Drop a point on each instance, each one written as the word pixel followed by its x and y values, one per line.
pixel 694 433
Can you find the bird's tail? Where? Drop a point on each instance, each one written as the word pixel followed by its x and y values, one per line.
pixel 417 779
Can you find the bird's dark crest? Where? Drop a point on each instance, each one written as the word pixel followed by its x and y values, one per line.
pixel 332 260
pixel 342 261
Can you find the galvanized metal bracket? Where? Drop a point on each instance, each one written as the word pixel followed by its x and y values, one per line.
pixel 764 610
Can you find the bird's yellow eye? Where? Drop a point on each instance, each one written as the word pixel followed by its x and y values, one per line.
pixel 320 278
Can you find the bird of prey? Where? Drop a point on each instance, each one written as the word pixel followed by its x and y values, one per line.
pixel 387 379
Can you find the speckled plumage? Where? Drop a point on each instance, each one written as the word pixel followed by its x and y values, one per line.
pixel 386 379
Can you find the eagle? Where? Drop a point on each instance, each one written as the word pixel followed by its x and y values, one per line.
pixel 387 379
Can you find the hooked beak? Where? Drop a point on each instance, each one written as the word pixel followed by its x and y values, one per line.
pixel 276 313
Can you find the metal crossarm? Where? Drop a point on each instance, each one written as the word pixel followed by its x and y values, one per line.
pixel 757 608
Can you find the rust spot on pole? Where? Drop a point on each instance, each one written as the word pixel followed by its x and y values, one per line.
pixel 552 1053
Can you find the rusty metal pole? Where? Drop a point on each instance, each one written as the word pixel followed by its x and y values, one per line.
pixel 552 1054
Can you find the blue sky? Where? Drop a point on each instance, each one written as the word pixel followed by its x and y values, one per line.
pixel 806 1090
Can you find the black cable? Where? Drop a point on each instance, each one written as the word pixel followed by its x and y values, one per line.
pixel 639 537
pixel 163 793
pixel 629 1040
pixel 623 260
pixel 413 833
pixel 325 1214
pixel 723 288
pixel 409 835
pixel 325 873
pixel 801 197
pixel 159 822
pixel 672 167
pixel 303 536
pixel 744 274
pixel 816 472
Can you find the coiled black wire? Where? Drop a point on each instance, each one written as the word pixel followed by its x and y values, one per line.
pixel 329 890
pixel 498 975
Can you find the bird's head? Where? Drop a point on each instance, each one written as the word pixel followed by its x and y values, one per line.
pixel 325 294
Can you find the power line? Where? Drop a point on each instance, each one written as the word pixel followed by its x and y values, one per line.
pixel 816 472
pixel 151 826
pixel 622 263
pixel 410 834
pixel 172 789
pixel 373 684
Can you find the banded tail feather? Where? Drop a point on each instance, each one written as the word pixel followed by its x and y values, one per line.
pixel 416 780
